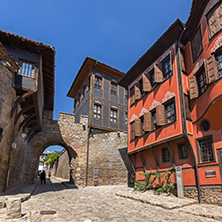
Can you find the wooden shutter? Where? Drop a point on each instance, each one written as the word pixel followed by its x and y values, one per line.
pixel 158 73
pixel 187 107
pixel 138 127
pixel 212 24
pixel 132 96
pixel 182 56
pixel 132 131
pixel 161 118
pixel 193 88
pixel 210 69
pixel 219 17
pixel 137 91
pixel 147 87
pixel 148 122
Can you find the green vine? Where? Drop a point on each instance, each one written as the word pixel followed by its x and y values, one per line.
pixel 52 157
pixel 156 181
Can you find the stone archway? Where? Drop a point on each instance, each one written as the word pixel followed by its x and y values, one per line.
pixel 66 133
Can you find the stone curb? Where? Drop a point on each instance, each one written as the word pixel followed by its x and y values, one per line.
pixel 155 203
pixel 23 197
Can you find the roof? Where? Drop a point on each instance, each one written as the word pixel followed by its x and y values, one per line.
pixel 88 64
pixel 48 61
pixel 169 37
pixel 5 56
pixel 196 12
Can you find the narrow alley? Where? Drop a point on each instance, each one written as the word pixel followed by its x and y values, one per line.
pixel 57 202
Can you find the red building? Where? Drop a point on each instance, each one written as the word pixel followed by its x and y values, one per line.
pixel 175 101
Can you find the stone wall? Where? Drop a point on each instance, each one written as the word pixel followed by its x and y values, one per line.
pixel 108 152
pixel 7 99
pixel 61 167
pixel 209 195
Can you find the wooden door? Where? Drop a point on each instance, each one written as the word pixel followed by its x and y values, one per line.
pixel 219 155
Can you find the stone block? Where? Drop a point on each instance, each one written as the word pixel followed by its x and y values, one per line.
pixel 34 216
pixel 13 207
pixel 2 203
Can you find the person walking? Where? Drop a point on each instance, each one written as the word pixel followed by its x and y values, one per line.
pixel 42 177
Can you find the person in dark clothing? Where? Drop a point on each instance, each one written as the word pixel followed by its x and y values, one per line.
pixel 42 177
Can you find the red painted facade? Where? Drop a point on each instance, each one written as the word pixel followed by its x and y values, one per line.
pixel 187 102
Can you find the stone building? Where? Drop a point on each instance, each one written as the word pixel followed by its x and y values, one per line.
pixel 175 99
pixel 27 127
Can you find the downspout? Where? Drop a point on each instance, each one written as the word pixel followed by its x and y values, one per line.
pixel 184 124
pixel 90 121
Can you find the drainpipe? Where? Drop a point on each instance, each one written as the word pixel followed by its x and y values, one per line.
pixel 90 122
pixel 184 124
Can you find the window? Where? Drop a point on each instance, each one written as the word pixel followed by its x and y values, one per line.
pixel 182 151
pixel 154 119
pixel 165 155
pixel 113 115
pixel 214 20
pixel 126 93
pixel 196 45
pixel 26 68
pixel 201 82
pixel 142 124
pixel 98 82
pixel 88 86
pixel 113 88
pixel 75 102
pixel 152 79
pixel 126 118
pixel 219 60
pixel 205 150
pixel 97 111
pixel 83 90
pixel 141 87
pixel 170 112
pixel 166 66
pixel 79 95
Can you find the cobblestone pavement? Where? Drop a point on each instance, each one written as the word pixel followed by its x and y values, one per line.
pixel 101 204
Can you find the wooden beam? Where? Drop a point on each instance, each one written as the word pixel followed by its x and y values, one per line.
pixel 23 111
pixel 171 152
pixel 17 101
pixel 29 123
pixel 25 120
pixel 143 161
pixel 31 133
pixel 132 163
pixel 156 157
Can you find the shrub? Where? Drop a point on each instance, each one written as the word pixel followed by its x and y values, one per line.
pixel 52 158
pixel 164 182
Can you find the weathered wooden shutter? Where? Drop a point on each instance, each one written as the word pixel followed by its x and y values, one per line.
pixel 138 127
pixel 187 107
pixel 210 69
pixel 219 17
pixel 182 56
pixel 158 73
pixel 147 87
pixel 161 118
pixel 132 96
pixel 148 122
pixel 132 131
pixel 212 24
pixel 137 91
pixel 193 88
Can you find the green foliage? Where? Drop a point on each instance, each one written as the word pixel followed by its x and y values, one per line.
pixel 164 183
pixel 52 157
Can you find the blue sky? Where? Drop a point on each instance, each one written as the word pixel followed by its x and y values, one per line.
pixel 114 32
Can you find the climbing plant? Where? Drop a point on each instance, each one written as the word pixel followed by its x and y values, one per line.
pixel 52 157
pixel 156 181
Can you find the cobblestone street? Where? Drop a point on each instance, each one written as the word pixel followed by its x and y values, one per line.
pixel 102 204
